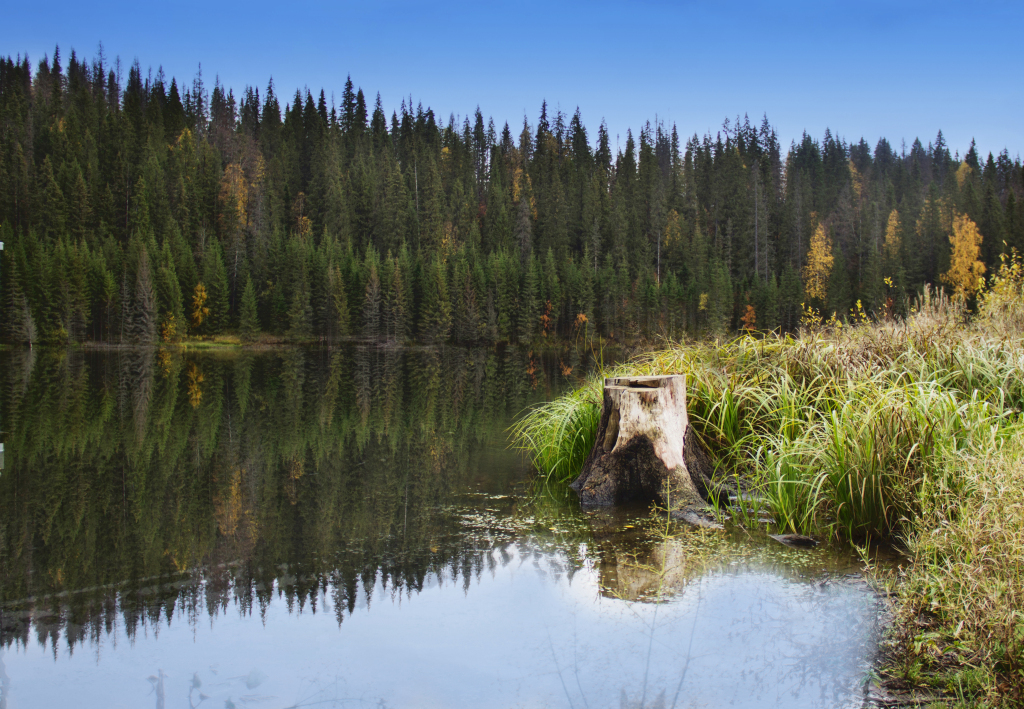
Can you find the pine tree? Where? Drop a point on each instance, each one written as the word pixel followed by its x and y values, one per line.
pixel 528 306
pixel 215 278
pixel 398 315
pixel 436 311
pixel 300 313
pixel 248 320
pixel 170 306
pixel 524 230
pixel 20 325
pixel 372 302
pixel 338 323
pixel 52 207
pixel 143 312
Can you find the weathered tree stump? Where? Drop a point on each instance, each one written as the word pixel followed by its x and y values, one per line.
pixel 645 449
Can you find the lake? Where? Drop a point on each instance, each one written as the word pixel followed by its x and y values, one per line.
pixel 348 527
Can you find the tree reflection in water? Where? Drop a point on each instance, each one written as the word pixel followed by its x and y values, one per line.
pixel 143 489
pixel 140 485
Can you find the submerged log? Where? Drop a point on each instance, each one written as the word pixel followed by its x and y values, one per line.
pixel 645 448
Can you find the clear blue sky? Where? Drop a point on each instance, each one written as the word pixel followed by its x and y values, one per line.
pixel 864 69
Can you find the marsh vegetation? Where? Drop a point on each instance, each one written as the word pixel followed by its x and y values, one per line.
pixel 903 431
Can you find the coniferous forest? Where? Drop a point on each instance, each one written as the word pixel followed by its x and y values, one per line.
pixel 137 209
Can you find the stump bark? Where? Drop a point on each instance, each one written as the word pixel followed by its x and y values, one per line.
pixel 645 449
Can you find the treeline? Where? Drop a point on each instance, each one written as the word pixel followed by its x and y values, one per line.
pixel 141 210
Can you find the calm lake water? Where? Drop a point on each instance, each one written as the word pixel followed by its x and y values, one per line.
pixel 348 528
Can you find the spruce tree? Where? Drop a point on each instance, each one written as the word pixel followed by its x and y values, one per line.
pixel 528 305
pixel 372 303
pixel 170 306
pixel 143 307
pixel 338 324
pixel 300 313
pixel 215 279
pixel 436 312
pixel 248 320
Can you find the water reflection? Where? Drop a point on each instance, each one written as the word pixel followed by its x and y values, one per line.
pixel 338 528
pixel 141 484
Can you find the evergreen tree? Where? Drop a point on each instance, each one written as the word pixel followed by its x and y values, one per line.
pixel 215 278
pixel 168 296
pixel 248 320
pixel 436 311
pixel 143 311
pixel 372 302
pixel 338 322
pixel 300 313
pixel 529 313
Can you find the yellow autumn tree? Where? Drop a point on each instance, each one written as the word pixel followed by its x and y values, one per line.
pixel 199 310
pixel 965 272
pixel 962 173
pixel 819 264
pixel 856 180
pixel 891 246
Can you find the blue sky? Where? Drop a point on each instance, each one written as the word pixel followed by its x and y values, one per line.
pixel 864 69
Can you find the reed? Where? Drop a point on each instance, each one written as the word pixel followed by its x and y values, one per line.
pixel 559 434
pixel 836 430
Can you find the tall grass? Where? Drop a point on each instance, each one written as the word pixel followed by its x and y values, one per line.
pixel 838 430
pixel 558 435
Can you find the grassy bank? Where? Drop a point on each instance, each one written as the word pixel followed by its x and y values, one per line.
pixel 904 431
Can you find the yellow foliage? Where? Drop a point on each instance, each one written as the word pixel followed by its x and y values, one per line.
pixel 703 303
pixel 164 360
pixel 856 180
pixel 195 389
pixel 199 310
pixel 749 318
pixel 891 247
pixel 809 317
pixel 1002 305
pixel 169 329
pixel 227 508
pixel 517 185
pixel 966 273
pixel 857 314
pixel 185 149
pixel 962 173
pixel 819 264
pixel 449 241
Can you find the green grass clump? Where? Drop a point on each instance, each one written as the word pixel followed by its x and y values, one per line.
pixel 559 434
pixel 837 431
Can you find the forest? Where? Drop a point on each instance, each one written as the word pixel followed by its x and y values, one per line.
pixel 139 210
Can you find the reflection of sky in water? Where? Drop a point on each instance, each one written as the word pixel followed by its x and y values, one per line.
pixel 295 470
pixel 522 635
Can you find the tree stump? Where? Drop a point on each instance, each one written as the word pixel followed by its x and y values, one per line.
pixel 645 449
